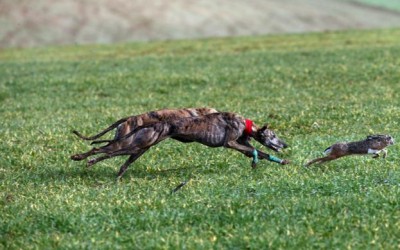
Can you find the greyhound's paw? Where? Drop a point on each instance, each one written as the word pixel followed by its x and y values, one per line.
pixel 285 162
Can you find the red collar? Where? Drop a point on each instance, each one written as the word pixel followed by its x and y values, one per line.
pixel 249 127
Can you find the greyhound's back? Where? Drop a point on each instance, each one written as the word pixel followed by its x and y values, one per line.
pixel 212 130
pixel 159 116
pixel 126 125
pixel 171 114
pixel 207 123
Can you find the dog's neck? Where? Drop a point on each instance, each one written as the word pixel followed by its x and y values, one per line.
pixel 249 128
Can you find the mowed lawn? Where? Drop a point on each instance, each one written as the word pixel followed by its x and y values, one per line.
pixel 313 89
pixel 388 4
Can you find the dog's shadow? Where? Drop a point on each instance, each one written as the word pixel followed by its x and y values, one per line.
pixel 71 173
pixel 150 174
pixel 107 173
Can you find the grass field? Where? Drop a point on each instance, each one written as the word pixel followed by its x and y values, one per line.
pixel 314 89
pixel 389 4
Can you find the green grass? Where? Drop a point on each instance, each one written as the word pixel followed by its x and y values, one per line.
pixel 389 4
pixel 314 89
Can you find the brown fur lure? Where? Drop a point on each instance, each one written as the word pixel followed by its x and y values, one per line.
pixel 373 144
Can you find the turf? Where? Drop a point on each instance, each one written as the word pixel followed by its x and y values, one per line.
pixel 388 4
pixel 313 89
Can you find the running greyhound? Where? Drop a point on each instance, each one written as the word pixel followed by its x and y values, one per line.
pixel 126 125
pixel 373 144
pixel 214 130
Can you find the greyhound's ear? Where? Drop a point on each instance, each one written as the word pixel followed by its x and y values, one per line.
pixel 266 126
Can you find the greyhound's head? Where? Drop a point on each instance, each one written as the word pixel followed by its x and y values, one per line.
pixel 268 138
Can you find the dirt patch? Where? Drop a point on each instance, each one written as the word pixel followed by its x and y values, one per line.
pixel 26 23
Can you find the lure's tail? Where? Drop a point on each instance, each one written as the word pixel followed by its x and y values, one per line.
pixel 328 151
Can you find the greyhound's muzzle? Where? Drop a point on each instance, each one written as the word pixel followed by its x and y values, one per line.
pixel 277 146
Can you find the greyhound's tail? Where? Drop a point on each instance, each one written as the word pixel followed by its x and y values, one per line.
pixel 94 137
pixel 122 137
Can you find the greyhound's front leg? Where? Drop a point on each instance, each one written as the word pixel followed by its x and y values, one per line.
pixel 263 155
pixel 272 158
pixel 246 150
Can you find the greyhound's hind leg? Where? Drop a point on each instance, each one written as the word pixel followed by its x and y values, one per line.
pixel 91 162
pixel 108 156
pixel 80 157
pixel 93 151
pixel 130 160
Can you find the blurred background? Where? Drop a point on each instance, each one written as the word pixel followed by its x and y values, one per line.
pixel 27 23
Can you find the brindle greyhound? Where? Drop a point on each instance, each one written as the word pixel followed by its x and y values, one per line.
pixel 214 130
pixel 128 124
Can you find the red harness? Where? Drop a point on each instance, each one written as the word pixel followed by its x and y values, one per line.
pixel 249 127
